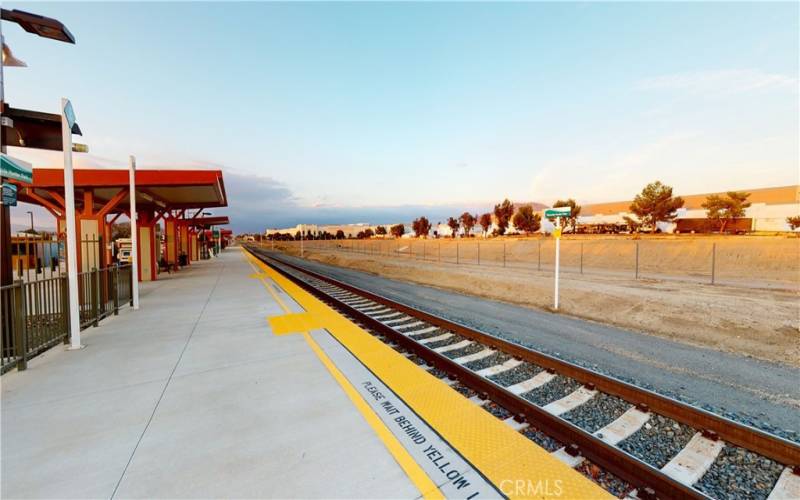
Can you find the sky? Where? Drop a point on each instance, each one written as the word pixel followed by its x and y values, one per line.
pixel 381 112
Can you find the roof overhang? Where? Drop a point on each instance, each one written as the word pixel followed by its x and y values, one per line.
pixel 157 190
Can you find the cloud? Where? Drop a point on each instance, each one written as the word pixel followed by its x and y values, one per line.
pixel 725 82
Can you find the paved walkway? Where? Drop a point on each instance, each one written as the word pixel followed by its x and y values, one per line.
pixel 191 396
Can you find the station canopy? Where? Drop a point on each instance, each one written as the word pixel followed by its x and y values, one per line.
pixel 220 220
pixel 156 190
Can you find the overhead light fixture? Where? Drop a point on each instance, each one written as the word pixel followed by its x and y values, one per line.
pixel 45 27
pixel 10 60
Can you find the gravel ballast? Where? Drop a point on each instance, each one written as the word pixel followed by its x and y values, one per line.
pixel 596 413
pixel 465 351
pixel 541 439
pixel 516 375
pixel 552 391
pixel 659 440
pixel 455 339
pixel 739 473
pixel 498 358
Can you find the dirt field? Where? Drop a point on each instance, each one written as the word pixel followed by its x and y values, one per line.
pixel 754 261
pixel 763 323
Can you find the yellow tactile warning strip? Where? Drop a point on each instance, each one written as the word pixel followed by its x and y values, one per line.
pixel 423 483
pixel 508 459
pixel 294 323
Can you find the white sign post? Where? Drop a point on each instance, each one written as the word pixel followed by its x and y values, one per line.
pixel 558 213
pixel 67 120
pixel 558 262
pixel 134 234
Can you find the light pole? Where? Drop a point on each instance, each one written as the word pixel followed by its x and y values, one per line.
pixel 44 27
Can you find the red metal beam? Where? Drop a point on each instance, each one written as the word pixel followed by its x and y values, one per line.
pixel 55 210
pixel 110 204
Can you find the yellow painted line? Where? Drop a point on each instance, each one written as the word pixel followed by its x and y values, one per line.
pixel 519 468
pixel 426 487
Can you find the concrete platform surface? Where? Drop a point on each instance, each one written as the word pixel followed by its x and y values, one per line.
pixel 192 396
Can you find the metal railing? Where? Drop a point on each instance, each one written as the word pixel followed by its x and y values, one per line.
pixel 35 314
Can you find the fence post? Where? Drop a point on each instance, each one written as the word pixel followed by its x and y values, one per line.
pixel 713 262
pixel 20 332
pixel 637 260
pixel 115 287
pixel 539 265
pixel 95 277
pixel 65 308
pixel 130 284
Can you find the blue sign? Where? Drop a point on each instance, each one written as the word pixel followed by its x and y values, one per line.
pixel 9 195
pixel 69 114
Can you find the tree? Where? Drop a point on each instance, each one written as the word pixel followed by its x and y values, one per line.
pixel 397 230
pixel 454 225
pixel 575 211
pixel 486 222
pixel 468 221
pixel 633 224
pixel 794 222
pixel 656 204
pixel 503 213
pixel 527 220
pixel 724 209
pixel 121 230
pixel 380 230
pixel 339 234
pixel 421 226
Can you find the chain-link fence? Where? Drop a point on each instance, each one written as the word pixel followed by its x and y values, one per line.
pixel 758 262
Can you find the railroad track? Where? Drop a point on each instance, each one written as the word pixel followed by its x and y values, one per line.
pixel 633 441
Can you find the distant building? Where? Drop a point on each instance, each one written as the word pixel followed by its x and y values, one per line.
pixel 768 212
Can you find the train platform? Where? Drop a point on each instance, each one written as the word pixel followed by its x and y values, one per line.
pixel 231 381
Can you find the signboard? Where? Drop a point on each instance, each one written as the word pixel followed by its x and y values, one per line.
pixel 558 212
pixel 9 195
pixel 13 168
pixel 69 114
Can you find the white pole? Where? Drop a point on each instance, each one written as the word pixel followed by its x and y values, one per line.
pixel 72 239
pixel 558 253
pixel 134 234
pixel 219 241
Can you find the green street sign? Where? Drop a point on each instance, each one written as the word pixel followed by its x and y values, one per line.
pixel 558 212
pixel 9 195
pixel 13 168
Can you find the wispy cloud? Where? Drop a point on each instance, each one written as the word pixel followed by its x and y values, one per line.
pixel 726 82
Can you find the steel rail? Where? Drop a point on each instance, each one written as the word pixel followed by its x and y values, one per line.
pixel 650 482
pixel 771 446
